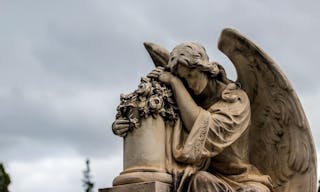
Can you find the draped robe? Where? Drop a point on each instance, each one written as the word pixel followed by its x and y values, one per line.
pixel 213 156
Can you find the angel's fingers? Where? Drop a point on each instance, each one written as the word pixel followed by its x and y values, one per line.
pixel 123 121
pixel 153 74
pixel 121 125
pixel 159 69
pixel 120 128
pixel 156 71
pixel 121 131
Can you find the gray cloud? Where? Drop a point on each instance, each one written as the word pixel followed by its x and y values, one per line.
pixel 79 120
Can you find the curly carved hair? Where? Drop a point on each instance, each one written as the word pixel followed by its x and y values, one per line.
pixel 193 55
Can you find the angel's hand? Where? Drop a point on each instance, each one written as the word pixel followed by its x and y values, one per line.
pixel 120 127
pixel 156 72
pixel 161 75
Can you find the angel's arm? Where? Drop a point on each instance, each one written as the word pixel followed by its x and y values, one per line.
pixel 189 110
pixel 214 129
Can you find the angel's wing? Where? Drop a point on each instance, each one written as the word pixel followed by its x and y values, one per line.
pixel 280 139
pixel 159 55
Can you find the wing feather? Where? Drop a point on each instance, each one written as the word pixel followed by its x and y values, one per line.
pixel 280 139
pixel 158 54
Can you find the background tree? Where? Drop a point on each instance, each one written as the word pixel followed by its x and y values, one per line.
pixel 4 179
pixel 87 182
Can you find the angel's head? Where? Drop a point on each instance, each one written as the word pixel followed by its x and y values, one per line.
pixel 192 55
pixel 190 62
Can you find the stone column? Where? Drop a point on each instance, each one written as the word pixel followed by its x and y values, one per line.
pixel 144 154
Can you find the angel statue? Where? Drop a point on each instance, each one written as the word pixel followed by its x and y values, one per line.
pixel 249 135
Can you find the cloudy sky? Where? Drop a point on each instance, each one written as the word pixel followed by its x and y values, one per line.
pixel 64 63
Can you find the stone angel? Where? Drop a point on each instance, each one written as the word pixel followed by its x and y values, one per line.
pixel 250 135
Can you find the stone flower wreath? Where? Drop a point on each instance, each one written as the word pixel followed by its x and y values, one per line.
pixel 152 98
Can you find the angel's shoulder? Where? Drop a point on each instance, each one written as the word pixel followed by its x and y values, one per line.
pixel 233 93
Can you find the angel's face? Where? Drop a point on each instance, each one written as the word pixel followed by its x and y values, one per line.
pixel 196 79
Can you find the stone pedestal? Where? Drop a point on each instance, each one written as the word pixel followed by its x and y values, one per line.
pixel 145 154
pixel 140 187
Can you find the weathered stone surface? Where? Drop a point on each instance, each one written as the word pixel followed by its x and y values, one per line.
pixel 189 125
pixel 139 187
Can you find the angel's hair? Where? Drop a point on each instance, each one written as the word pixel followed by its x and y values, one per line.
pixel 193 55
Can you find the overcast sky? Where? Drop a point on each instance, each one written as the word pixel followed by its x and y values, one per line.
pixel 64 63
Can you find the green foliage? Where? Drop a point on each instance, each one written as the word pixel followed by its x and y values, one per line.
pixel 87 182
pixel 4 179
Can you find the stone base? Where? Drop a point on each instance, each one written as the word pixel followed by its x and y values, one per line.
pixel 154 186
pixel 141 177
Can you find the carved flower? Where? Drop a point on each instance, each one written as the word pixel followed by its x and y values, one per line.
pixel 144 88
pixel 152 98
pixel 155 102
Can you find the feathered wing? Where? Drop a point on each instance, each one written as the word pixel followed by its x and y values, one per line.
pixel 280 139
pixel 158 54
